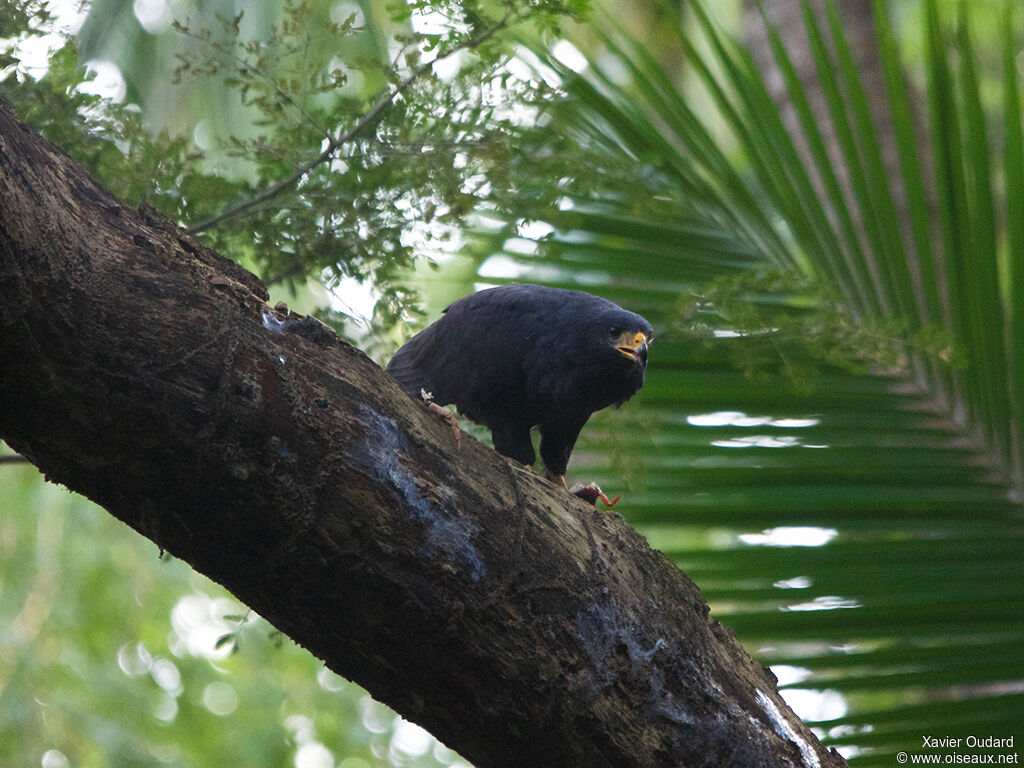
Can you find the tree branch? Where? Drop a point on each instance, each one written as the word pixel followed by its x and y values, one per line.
pixel 518 624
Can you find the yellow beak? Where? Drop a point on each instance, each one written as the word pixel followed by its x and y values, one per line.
pixel 633 345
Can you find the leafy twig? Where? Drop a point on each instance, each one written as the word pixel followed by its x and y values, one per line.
pixel 245 68
pixel 378 108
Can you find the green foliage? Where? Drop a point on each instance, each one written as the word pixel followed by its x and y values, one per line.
pixel 20 18
pixel 797 324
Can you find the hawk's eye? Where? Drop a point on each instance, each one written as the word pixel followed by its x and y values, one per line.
pixel 615 331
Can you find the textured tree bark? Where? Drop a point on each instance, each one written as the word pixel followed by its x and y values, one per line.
pixel 518 624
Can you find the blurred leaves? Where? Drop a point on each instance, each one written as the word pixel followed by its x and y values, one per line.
pixel 804 324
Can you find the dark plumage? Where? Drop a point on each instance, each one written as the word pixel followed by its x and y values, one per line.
pixel 520 356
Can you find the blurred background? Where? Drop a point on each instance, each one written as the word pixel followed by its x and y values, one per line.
pixel 818 207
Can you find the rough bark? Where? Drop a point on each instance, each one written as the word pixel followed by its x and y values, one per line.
pixel 519 625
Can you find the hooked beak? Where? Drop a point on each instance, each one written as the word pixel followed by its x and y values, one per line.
pixel 633 346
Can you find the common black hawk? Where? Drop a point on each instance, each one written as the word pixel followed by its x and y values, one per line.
pixel 519 356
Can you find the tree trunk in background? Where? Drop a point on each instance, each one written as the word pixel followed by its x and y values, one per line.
pixel 858 26
pixel 519 625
